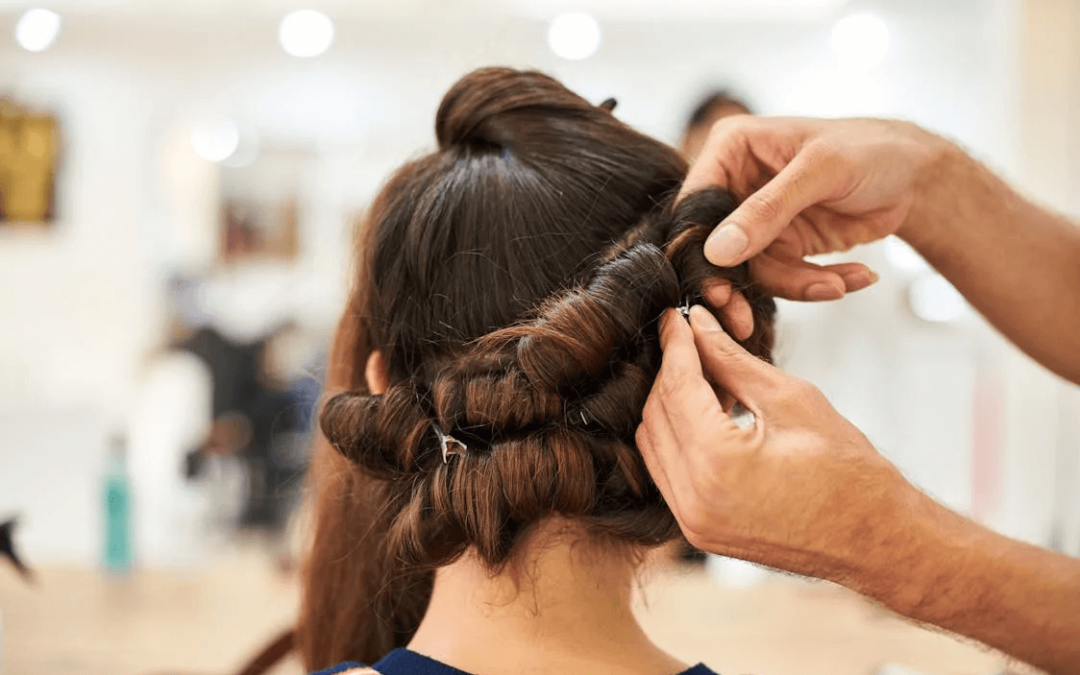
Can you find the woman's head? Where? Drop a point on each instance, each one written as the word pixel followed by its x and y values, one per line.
pixel 511 282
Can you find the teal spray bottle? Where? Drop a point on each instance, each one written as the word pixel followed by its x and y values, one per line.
pixel 117 553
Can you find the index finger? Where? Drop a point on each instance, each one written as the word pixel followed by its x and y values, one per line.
pixel 770 164
pixel 759 220
pixel 688 400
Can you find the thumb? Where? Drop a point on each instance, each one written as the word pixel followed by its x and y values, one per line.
pixel 763 216
pixel 749 379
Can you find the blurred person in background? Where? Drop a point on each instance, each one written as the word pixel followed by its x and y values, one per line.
pixel 480 502
pixel 811 494
pixel 263 404
pixel 710 109
pixel 8 550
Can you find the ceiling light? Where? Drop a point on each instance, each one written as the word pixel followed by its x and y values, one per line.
pixel 247 148
pixel 37 29
pixel 574 36
pixel 306 33
pixel 215 139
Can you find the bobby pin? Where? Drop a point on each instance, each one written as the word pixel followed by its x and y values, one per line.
pixel 684 309
pixel 445 443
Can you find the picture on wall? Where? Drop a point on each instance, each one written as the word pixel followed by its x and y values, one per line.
pixel 29 153
pixel 262 205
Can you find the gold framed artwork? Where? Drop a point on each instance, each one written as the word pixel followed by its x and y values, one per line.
pixel 29 153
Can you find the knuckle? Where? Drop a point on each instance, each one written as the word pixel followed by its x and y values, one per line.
pixel 806 390
pixel 669 384
pixel 826 155
pixel 811 394
pixel 649 409
pixel 695 526
pixel 767 208
pixel 694 538
pixel 726 354
pixel 727 127
pixel 641 436
pixel 800 391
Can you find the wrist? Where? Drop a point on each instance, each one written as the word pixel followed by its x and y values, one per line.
pixel 914 567
pixel 882 550
pixel 910 549
pixel 941 168
pixel 881 567
pixel 933 566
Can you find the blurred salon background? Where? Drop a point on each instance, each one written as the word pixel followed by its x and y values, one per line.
pixel 179 185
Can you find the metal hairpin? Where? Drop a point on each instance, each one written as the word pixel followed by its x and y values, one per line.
pixel 684 309
pixel 445 443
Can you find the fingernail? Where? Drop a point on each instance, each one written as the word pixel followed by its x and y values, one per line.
pixel 855 281
pixel 703 319
pixel 824 292
pixel 725 245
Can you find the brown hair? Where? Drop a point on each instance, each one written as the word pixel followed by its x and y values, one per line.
pixel 512 281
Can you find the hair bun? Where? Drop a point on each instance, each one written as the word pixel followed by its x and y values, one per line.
pixel 473 113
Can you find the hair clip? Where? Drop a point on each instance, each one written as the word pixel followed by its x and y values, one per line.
pixel 445 441
pixel 584 420
pixel 684 309
pixel 608 104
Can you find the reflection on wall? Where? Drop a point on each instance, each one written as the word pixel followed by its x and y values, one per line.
pixel 29 149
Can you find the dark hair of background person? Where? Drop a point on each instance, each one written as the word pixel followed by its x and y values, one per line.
pixel 512 279
pixel 712 106
pixel 712 103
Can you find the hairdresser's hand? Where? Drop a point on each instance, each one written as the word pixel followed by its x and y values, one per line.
pixel 802 490
pixel 808 187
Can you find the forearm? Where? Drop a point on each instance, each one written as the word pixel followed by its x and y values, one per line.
pixel 955 574
pixel 1018 264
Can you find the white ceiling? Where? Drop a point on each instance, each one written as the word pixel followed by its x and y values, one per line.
pixel 629 10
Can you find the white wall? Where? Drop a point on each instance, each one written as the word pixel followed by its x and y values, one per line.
pixel 81 305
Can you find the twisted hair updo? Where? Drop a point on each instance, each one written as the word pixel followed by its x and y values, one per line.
pixel 512 281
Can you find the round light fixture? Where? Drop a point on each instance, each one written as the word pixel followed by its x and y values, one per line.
pixel 574 36
pixel 215 139
pixel 306 33
pixel 247 148
pixel 860 42
pixel 932 298
pixel 37 29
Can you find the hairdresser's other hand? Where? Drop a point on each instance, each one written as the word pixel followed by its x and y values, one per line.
pixel 799 490
pixel 807 187
pixel 802 490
